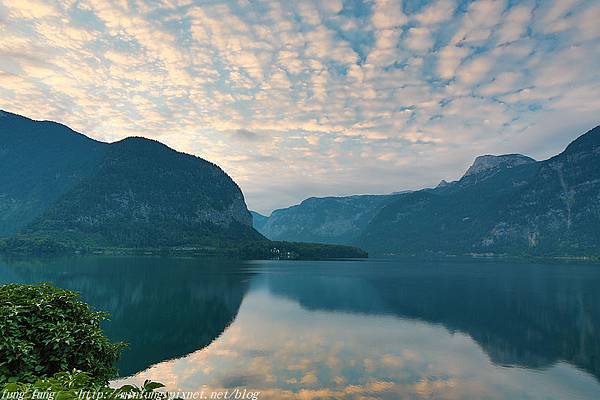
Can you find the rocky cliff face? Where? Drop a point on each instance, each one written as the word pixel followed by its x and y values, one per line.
pixel 489 163
pixel 133 193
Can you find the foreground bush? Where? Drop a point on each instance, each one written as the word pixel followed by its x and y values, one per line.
pixel 77 385
pixel 45 330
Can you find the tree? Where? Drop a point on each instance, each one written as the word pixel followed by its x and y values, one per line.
pixel 45 330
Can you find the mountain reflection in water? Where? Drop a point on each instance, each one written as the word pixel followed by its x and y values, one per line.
pixel 162 308
pixel 520 314
pixel 347 329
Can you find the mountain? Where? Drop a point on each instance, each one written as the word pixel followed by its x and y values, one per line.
pixel 508 204
pixel 502 205
pixel 443 183
pixel 484 167
pixel 258 220
pixel 338 220
pixel 489 163
pixel 39 162
pixel 59 184
pixel 62 191
pixel 115 284
pixel 144 194
pixel 520 315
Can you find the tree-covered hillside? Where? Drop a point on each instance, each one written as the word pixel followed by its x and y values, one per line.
pixel 547 208
pixel 144 194
pixel 61 191
pixel 39 162
pixel 61 186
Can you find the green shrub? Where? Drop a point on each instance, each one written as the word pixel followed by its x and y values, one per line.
pixel 45 330
pixel 77 385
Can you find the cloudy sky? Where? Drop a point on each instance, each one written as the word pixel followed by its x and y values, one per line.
pixel 309 98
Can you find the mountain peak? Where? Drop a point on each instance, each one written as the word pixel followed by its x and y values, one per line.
pixel 490 162
pixel 7 114
pixel 443 183
pixel 589 141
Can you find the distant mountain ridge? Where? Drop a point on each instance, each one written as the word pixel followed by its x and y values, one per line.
pixel 332 220
pixel 485 167
pixel 507 205
pixel 342 220
pixel 545 208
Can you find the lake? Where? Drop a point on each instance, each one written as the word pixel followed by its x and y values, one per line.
pixel 371 329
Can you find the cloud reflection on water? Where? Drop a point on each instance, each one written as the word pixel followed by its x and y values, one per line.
pixel 287 352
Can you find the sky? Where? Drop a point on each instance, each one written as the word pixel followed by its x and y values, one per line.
pixel 295 99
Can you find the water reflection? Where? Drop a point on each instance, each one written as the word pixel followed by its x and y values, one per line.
pixel 163 308
pixel 371 329
pixel 521 314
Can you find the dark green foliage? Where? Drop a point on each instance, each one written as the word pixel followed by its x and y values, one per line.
pixel 78 385
pixel 259 249
pixel 186 303
pixel 45 330
pixel 33 245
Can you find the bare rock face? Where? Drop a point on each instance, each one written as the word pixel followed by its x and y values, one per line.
pixel 490 162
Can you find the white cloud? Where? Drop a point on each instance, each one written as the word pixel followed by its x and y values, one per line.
pixel 385 51
pixel 439 11
pixel 503 83
pixel 475 70
pixel 515 24
pixel 356 103
pixel 587 22
pixel 31 9
pixel 479 21
pixel 387 14
pixel 553 15
pixel 449 58
pixel 419 39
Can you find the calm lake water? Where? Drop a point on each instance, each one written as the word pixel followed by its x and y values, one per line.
pixel 383 329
